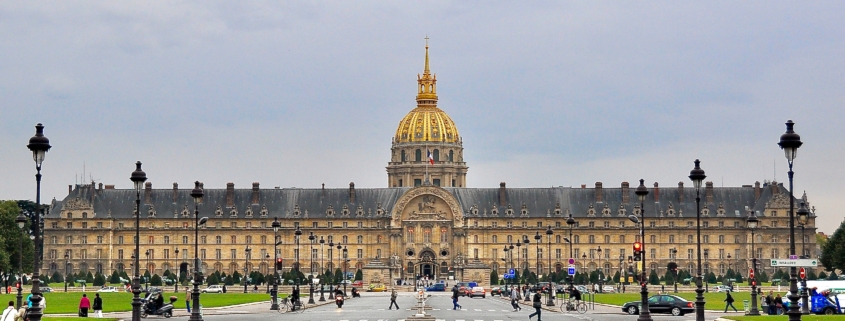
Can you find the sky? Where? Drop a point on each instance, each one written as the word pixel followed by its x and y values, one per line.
pixel 297 94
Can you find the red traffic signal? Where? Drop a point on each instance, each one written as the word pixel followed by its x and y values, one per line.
pixel 802 273
pixel 279 265
pixel 638 246
pixel 751 273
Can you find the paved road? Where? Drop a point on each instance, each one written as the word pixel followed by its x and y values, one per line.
pixel 374 307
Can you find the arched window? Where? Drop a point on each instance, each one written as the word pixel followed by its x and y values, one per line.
pixel 403 156
pixel 410 237
pixel 345 239
pixel 84 214
pixel 427 235
pixel 451 156
pixel 444 235
pixel 360 239
pixel 378 239
pixel 436 155
pixel 495 239
pixel 418 156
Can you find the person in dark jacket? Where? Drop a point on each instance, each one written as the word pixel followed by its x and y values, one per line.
pixel 97 306
pixel 770 303
pixel 537 305
pixel 455 304
pixel 729 300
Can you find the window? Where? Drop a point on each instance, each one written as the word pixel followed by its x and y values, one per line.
pixel 607 239
pixel 524 224
pixel 736 238
pixel 330 224
pixel 652 253
pixel 721 239
pixel 83 239
pixel 671 239
pixel 475 253
pixel 410 235
pixel 622 224
pixel 689 254
pixel 592 239
pixel 689 239
pixel 427 235
pixel 475 238
pixel 721 253
pixel 360 253
pixel 539 253
pixel 606 224
pixel 202 254
pixel 652 224
pixel 736 224
pixel 577 239
pixel 84 224
pixel 417 182
pixel 653 239
pixel 99 240
pixel 774 223
pixel 202 240
pixel 705 224
pixel 55 224
pixel 592 224
pixel 345 239
pixel 621 239
pixel 418 155
pixel 510 239
pixel 510 224
pixel 120 254
pixel 217 254
pixel 557 254
pixel 70 225
pixel 706 239
pixel 539 224
pixel 360 239
pixel 234 239
pixel 671 224
pixel 360 224
pixel 774 213
pixel 495 224
pixel 120 240
pixel 345 224
pixel 444 235
pixel 313 224
pixel 721 224
pixel 166 239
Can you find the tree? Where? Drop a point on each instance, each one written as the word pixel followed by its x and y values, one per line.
pixel 832 276
pixel 99 280
pixel 811 275
pixel 115 278
pixel 57 277
pixel 653 279
pixel 229 280
pixel 669 277
pixel 338 276
pixel 711 277
pixel 762 276
pixel 359 275
pixel 11 237
pixel 494 277
pixel 155 280
pixel 89 278
pixel 833 252
pixel 236 277
pixel 822 275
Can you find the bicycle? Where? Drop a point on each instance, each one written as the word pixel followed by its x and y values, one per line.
pixel 569 305
pixel 286 305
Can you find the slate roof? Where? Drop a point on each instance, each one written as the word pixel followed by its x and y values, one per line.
pixel 538 202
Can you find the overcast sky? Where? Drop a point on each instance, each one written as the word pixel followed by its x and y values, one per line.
pixel 296 94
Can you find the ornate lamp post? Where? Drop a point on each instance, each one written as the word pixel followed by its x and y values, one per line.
pixel 275 292
pixel 571 223
pixel 21 221
pixel 296 234
pixel 147 269
pixel 527 264
pixel 619 284
pixel 550 300
pixel 197 194
pixel 706 282
pixel 39 145
pixel 311 239
pixel 138 178
pixel 803 216
pixel 600 270
pixel 174 274
pixel 697 176
pixel 331 263
pixel 790 142
pixel 645 314
pixel 67 274
pixel 322 269
pixel 246 267
pixel 339 259
pixel 751 223
pixel 518 263
pixel 345 268
pixel 675 272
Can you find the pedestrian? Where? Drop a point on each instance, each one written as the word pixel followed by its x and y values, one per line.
pixel 21 313
pixel 537 305
pixel 455 304
pixel 729 302
pixel 224 288
pixel 515 300
pixel 770 303
pixel 188 299
pixel 778 304
pixel 84 305
pixel 393 296
pixel 10 313
pixel 97 306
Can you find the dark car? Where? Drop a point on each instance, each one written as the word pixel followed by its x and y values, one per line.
pixel 662 303
pixel 437 287
pixel 500 291
pixel 543 286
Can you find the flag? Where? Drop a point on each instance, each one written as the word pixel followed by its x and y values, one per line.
pixel 430 157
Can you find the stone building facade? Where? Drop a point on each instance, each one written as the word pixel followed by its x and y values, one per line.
pixel 426 222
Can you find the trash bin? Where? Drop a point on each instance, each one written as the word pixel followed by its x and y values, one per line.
pixel 745 306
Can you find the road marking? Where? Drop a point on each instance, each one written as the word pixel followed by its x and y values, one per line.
pixel 436 310
pixel 477 310
pixel 492 310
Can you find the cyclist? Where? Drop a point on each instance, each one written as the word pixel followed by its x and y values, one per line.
pixel 574 294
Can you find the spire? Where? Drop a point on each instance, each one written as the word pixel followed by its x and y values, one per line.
pixel 426 84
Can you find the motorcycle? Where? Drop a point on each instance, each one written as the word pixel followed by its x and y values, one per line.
pixel 356 293
pixel 147 309
pixel 338 299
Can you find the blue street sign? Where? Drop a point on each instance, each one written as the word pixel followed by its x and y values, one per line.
pixel 571 270
pixel 511 272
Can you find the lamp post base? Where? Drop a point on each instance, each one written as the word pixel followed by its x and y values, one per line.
pixel 645 313
pixel 753 310
pixel 699 300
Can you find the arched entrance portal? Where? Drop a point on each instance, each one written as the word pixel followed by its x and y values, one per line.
pixel 427 266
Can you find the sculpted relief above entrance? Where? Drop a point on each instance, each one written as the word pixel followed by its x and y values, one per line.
pixel 427 203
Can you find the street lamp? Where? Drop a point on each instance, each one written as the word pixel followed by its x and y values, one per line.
pixel 311 238
pixel 246 266
pixel 527 269
pixel 537 239
pixel 803 216
pixel 675 271
pixel 751 223
pixel 67 262
pixel 175 268
pixel 345 268
pixel 645 314
pixel 570 222
pixel 697 176
pixel 197 194
pixel 331 263
pixel 147 269
pixel 296 234
pixel 550 301
pixel 600 270
pixel 518 263
pixel 706 282
pixel 138 178
pixel 39 145
pixel 322 267
pixel 21 221
pixel 275 292
pixel 619 284
pixel 790 142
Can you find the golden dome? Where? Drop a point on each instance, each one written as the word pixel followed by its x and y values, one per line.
pixel 427 123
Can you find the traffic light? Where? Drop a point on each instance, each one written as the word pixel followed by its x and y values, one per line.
pixel 638 251
pixel 279 264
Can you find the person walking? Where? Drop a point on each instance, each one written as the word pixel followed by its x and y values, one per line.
pixel 729 300
pixel 188 299
pixel 455 304
pixel 97 306
pixel 393 296
pixel 515 300
pixel 778 304
pixel 84 305
pixel 537 305
pixel 10 313
pixel 770 303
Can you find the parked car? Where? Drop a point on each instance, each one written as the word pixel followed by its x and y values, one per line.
pixel 477 291
pixel 465 287
pixel 500 291
pixel 722 288
pixel 662 303
pixel 45 289
pixel 608 289
pixel 543 286
pixel 376 287
pixel 437 287
pixel 108 289
pixel 213 289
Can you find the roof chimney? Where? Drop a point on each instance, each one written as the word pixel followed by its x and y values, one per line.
pixel 757 190
pixel 351 192
pixel 148 192
pixel 69 188
pixel 598 192
pixel 681 192
pixel 109 186
pixel 625 195
pixel 775 189
pixel 583 186
pixel 708 192
pixel 100 187
pixel 503 194
pixel 656 193
pixel 230 194
pixel 175 191
pixel 323 190
pixel 255 193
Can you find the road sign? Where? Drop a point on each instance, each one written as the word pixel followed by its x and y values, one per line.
pixel 797 262
pixel 802 273
pixel 793 257
pixel 750 273
pixel 571 270
pixel 571 261
pixel 511 272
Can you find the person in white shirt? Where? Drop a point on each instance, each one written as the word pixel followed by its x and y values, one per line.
pixel 10 313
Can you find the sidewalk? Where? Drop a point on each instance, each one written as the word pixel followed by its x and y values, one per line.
pixel 247 308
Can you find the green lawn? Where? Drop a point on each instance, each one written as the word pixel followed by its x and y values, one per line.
pixel 784 317
pixel 63 303
pixel 713 301
pixel 49 318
